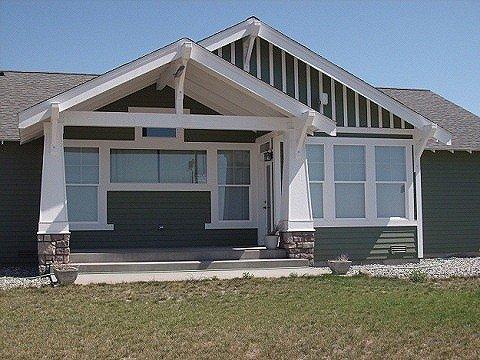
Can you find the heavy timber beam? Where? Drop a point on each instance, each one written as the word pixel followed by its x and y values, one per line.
pixel 179 75
pixel 248 43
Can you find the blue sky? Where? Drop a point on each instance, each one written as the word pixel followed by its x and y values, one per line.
pixel 413 44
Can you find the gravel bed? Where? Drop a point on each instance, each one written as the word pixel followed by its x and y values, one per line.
pixel 21 277
pixel 434 268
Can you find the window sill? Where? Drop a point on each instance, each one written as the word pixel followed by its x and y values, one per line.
pixel 90 226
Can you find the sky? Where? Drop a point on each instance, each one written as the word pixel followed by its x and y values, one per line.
pixel 409 44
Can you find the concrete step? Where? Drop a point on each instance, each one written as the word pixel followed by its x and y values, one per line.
pixel 129 267
pixel 175 254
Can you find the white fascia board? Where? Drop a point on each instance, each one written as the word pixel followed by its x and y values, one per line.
pixel 217 122
pixel 230 34
pixel 334 71
pixel 101 84
pixel 248 83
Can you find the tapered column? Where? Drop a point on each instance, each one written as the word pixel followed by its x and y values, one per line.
pixel 297 231
pixel 53 232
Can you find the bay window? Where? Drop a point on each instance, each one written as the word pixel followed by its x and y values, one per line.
pixel 390 176
pixel 316 174
pixel 81 178
pixel 349 176
pixel 233 171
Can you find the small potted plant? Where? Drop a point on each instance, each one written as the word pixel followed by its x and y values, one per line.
pixel 66 274
pixel 340 265
pixel 271 239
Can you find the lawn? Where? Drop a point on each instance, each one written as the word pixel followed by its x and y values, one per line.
pixel 289 318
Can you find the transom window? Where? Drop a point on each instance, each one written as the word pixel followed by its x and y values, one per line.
pixel 233 171
pixel 349 175
pixel 158 166
pixel 390 176
pixel 316 174
pixel 81 178
pixel 159 132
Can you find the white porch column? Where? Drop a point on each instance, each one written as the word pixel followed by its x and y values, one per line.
pixel 53 231
pixel 421 138
pixel 296 206
pixel 297 232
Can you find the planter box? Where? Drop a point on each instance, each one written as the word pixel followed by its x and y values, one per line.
pixel 271 242
pixel 66 276
pixel 339 267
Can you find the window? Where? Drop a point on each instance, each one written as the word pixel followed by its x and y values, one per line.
pixel 349 175
pixel 315 157
pixel 390 176
pixel 159 132
pixel 158 166
pixel 81 177
pixel 233 168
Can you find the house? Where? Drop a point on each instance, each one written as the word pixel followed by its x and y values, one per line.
pixel 214 144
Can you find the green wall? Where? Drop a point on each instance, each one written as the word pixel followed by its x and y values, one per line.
pixel 451 202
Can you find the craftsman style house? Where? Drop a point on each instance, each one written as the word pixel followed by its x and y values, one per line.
pixel 217 143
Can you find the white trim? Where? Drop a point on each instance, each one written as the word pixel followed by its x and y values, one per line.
pixel 259 58
pixel 295 76
pixel 306 55
pixel 369 114
pixel 275 99
pixel 357 111
pixel 232 53
pixel 384 131
pixel 345 105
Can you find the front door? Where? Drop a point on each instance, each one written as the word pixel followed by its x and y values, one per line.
pixel 266 213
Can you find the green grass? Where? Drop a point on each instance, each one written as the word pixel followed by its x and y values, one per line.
pixel 289 318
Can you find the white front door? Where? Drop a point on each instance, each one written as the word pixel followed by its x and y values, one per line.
pixel 266 211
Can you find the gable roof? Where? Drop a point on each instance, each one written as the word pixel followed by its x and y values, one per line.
pixel 461 123
pixel 253 26
pixel 145 67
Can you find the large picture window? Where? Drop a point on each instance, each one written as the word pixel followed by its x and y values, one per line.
pixel 316 174
pixel 158 166
pixel 81 178
pixel 390 176
pixel 233 169
pixel 349 175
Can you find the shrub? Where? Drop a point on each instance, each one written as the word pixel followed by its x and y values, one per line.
pixel 417 276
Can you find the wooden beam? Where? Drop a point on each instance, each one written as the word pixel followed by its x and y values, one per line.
pixel 214 122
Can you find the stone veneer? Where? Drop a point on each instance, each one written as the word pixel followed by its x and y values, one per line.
pixel 52 248
pixel 298 245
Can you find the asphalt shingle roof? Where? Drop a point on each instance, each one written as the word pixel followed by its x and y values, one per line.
pixel 461 123
pixel 21 90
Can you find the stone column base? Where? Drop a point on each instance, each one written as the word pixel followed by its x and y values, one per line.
pixel 298 245
pixel 52 248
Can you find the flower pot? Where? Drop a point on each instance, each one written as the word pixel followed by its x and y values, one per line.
pixel 271 241
pixel 66 275
pixel 339 267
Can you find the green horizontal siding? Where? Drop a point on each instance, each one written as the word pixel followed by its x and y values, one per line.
pixel 137 216
pixel 451 202
pixel 20 179
pixel 99 133
pixel 364 243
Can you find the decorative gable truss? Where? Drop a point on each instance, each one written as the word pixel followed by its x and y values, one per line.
pixel 290 67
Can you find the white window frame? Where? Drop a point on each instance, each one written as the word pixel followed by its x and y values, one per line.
pixel 354 182
pixel 371 219
pixel 310 181
pixel 140 142
pixel 249 186
pixel 393 182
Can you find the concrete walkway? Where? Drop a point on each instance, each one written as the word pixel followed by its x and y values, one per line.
pixel 115 278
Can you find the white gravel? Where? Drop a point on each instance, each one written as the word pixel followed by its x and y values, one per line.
pixel 434 268
pixel 20 277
